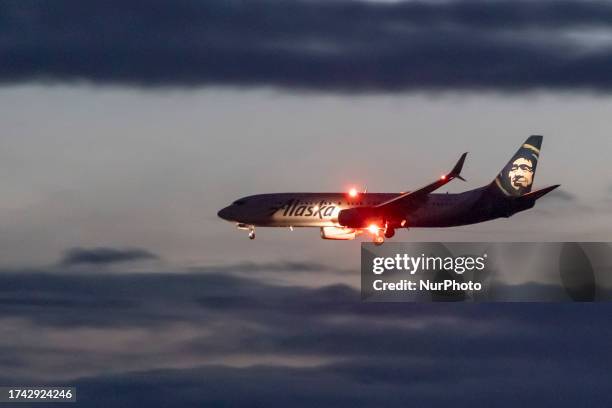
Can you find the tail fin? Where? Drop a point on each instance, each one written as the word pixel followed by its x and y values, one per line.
pixel 516 178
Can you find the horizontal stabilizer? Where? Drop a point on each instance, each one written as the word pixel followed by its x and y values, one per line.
pixel 534 195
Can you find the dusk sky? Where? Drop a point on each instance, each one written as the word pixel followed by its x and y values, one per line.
pixel 126 126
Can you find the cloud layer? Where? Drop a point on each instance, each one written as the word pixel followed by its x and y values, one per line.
pixel 344 45
pixel 213 337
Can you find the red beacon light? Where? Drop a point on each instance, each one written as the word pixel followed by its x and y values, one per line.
pixel 443 177
pixel 353 192
pixel 373 228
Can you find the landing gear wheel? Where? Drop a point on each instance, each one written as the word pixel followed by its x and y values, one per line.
pixel 379 239
pixel 252 233
pixel 389 233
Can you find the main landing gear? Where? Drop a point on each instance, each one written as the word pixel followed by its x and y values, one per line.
pixel 252 233
pixel 382 233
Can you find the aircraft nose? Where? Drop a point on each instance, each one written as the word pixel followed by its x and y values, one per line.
pixel 225 213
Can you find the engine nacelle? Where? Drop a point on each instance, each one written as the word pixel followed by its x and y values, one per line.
pixel 360 217
pixel 338 233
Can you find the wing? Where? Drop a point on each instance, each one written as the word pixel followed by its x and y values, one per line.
pixel 416 197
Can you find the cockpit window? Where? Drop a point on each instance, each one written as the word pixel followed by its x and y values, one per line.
pixel 239 202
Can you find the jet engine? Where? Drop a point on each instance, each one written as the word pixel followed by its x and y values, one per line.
pixel 336 233
pixel 360 217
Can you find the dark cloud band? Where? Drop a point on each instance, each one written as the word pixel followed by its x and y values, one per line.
pixel 342 46
pixel 104 256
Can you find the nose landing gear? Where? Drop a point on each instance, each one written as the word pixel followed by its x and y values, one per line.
pixel 250 228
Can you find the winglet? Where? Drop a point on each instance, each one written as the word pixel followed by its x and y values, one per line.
pixel 456 171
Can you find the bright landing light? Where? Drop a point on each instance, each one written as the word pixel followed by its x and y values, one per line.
pixel 373 228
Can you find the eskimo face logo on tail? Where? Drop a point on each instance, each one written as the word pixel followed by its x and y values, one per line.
pixel 516 177
pixel 520 174
pixel 297 208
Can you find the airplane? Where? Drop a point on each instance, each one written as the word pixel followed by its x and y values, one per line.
pixel 344 216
